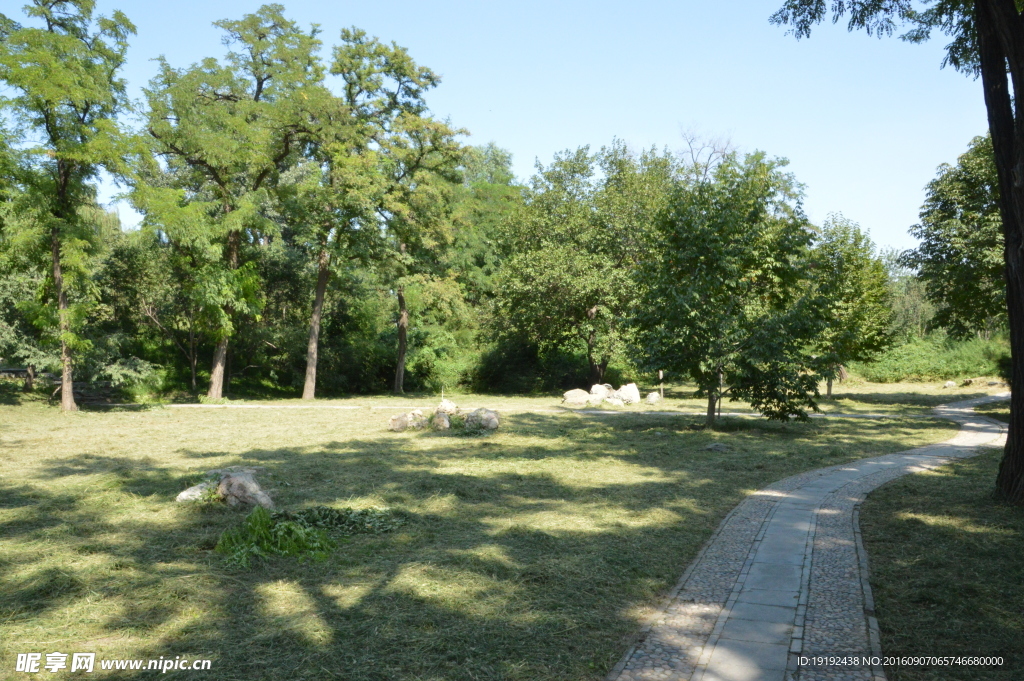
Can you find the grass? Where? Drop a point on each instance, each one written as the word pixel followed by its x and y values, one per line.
pixel 946 570
pixel 999 411
pixel 532 553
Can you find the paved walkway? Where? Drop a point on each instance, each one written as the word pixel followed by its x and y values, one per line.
pixel 785 576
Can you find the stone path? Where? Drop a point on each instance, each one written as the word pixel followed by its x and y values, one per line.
pixel 785 576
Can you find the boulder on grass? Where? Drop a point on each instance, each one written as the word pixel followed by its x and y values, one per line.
pixel 417 420
pixel 949 384
pixel 576 398
pixel 197 492
pixel 653 398
pixel 241 489
pixel 485 419
pixel 398 422
pixel 440 421
pixel 629 393
pixel 601 391
pixel 236 486
pixel 414 419
pixel 447 407
pixel 614 401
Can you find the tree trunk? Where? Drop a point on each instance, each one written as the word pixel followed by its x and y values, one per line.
pixel 1001 44
pixel 712 401
pixel 403 331
pixel 312 350
pixel 67 385
pixel 828 393
pixel 220 355
pixel 30 378
pixel 597 370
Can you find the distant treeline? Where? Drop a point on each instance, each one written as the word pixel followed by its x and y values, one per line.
pixel 309 228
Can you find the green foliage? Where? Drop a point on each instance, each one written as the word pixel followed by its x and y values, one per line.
pixel 567 280
pixel 935 357
pixel 343 521
pixel 912 311
pixel 852 279
pixel 63 75
pixel 960 257
pixel 305 534
pixel 261 536
pixel 724 299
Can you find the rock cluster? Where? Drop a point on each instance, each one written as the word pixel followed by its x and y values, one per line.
pixel 414 419
pixel 603 394
pixel 236 486
pixel 446 416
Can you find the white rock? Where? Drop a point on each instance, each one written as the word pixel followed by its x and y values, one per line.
pixel 576 397
pixel 440 421
pixel 416 419
pixel 601 391
pixel 196 492
pixel 482 418
pixel 629 393
pixel 614 401
pixel 242 489
pixel 653 398
pixel 398 423
pixel 949 384
pixel 446 407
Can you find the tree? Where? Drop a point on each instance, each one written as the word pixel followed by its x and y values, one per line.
pixel 225 132
pixel 912 311
pixel 988 40
pixel 724 297
pixel 67 96
pixel 858 303
pixel 488 197
pixel 567 281
pixel 355 139
pixel 416 215
pixel 960 257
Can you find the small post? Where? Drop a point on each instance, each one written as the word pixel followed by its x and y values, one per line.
pixel 661 381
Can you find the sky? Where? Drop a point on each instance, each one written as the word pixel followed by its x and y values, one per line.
pixel 864 121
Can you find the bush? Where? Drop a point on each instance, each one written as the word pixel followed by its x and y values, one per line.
pixel 935 357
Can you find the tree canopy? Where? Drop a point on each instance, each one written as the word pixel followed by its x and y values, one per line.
pixel 960 256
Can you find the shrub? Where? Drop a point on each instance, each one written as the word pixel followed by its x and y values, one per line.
pixel 934 357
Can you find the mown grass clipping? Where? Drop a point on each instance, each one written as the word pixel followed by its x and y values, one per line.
pixel 302 534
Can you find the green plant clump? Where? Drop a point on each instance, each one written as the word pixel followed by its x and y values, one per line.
pixel 262 535
pixel 343 521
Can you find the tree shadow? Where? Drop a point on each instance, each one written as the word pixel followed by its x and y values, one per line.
pixel 518 560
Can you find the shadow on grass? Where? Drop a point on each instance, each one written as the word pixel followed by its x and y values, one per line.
pixel 532 564
pixel 903 399
pixel 946 570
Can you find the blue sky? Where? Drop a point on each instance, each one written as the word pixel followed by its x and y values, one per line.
pixel 864 122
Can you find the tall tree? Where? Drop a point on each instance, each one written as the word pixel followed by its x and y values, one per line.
pixel 376 124
pixel 67 96
pixel 724 297
pixel 988 40
pixel 858 304
pixel 960 257
pixel 225 131
pixel 416 214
